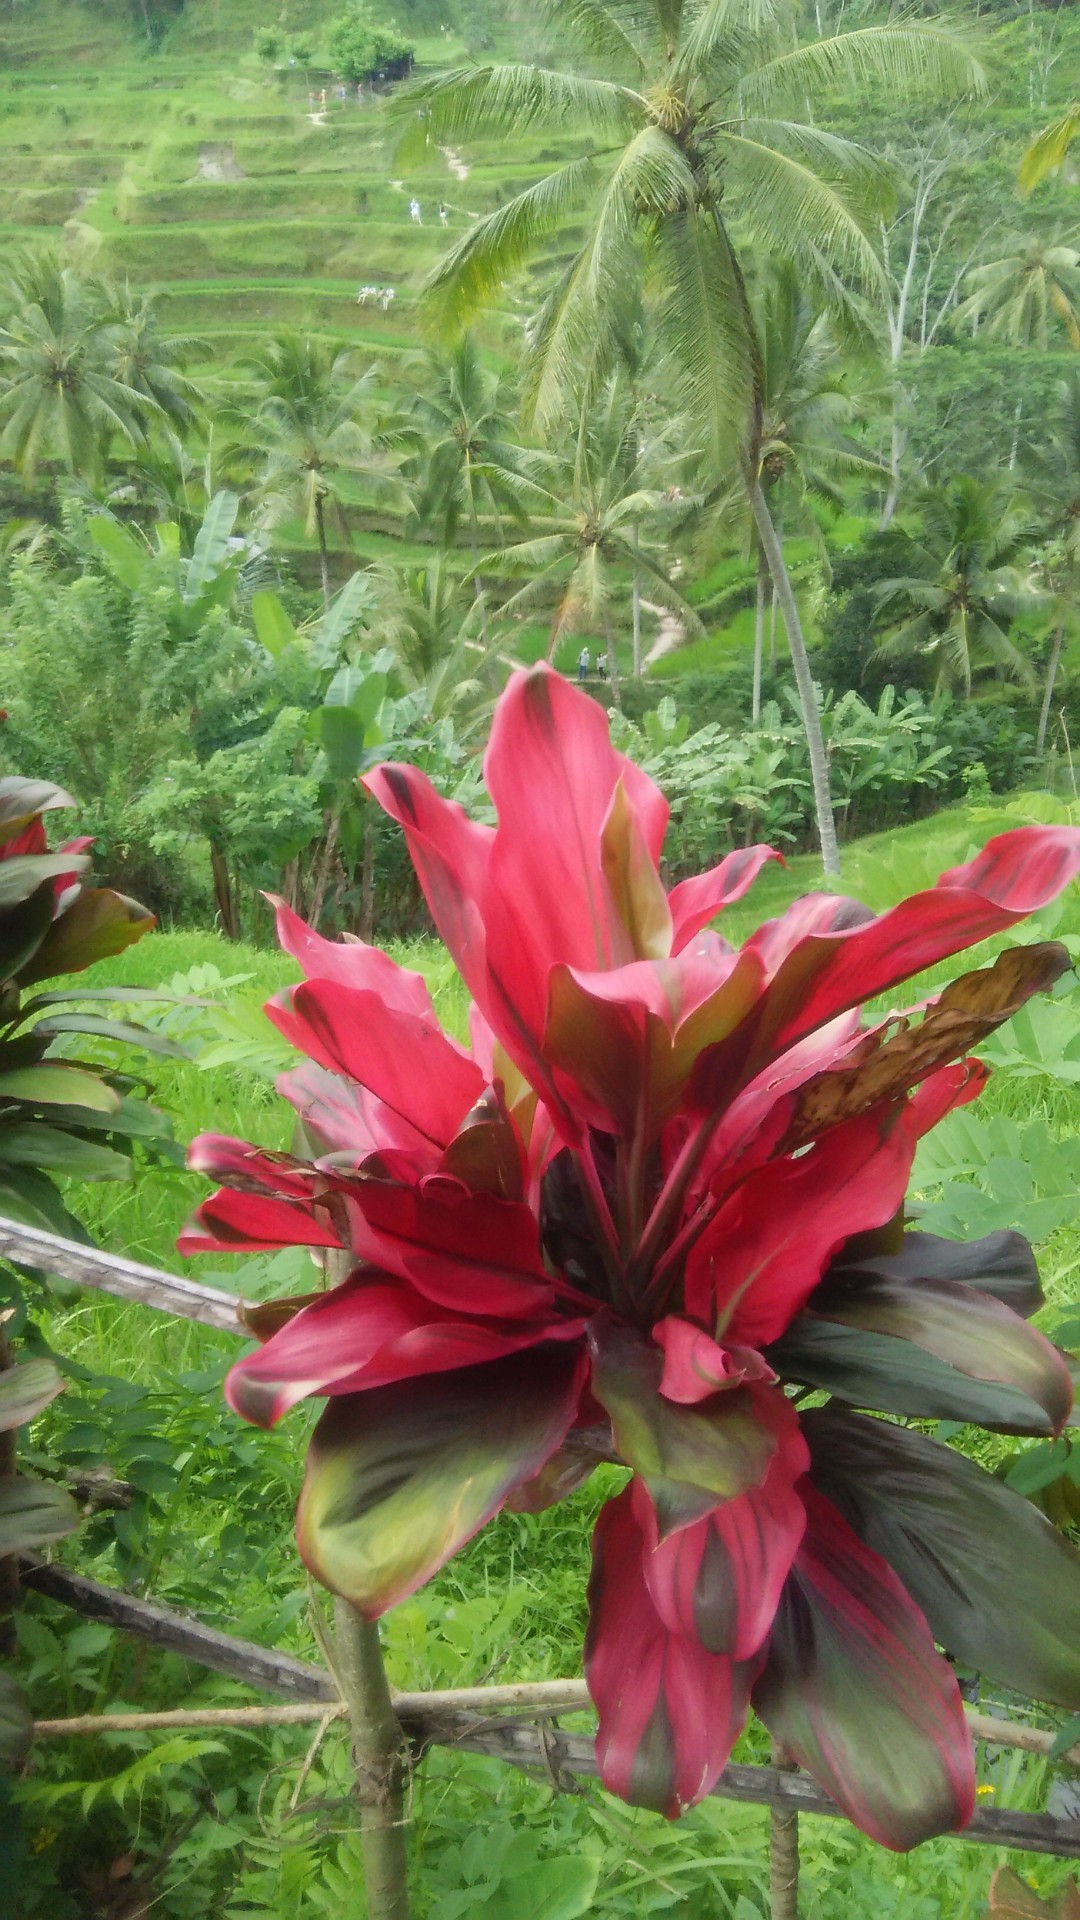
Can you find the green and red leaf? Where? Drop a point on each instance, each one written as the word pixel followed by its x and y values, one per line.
pixel 669 1712
pixel 399 1478
pixel 998 1584
pixel 855 1690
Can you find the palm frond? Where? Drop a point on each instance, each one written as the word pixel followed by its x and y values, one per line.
pixel 790 206
pixel 704 317
pixel 1048 149
pixel 499 244
pixel 605 31
pixel 468 103
pixel 911 53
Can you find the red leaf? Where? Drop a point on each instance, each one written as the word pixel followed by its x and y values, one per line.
pixel 367 1333
pixel 719 1580
pixel 695 1366
pixel 250 1169
pixel 351 963
pixel 411 1066
pixel 467 1251
pixel 764 1252
pixel 240 1222
pixel 451 854
pixel 694 902
pixel 854 1688
pixel 346 1118
pixel 669 1712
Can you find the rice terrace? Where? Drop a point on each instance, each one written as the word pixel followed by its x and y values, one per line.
pixel 539 915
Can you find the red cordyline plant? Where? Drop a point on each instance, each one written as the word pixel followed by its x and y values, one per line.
pixel 658 1203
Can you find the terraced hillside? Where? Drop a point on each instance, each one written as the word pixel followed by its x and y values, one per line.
pixel 193 171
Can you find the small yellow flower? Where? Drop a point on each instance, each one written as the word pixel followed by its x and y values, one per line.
pixel 984 1789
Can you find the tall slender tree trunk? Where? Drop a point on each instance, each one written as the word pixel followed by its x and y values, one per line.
pixel 1015 448
pixel 804 680
pixel 1048 690
pixel 759 634
pixel 324 552
pixel 326 861
pixel 897 440
pixel 613 667
pixel 224 897
pixel 637 613
pixel 367 877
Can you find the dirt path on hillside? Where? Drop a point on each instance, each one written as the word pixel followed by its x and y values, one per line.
pixel 455 163
pixel 671 635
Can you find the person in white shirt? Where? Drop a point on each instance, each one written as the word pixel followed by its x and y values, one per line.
pixel 414 209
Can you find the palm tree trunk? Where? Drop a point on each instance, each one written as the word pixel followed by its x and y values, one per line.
pixel 367 877
pixel 224 897
pixel 1015 448
pixel 896 456
pixel 808 700
pixel 759 636
pixel 613 669
pixel 637 614
pixel 1048 690
pixel 324 552
pixel 329 848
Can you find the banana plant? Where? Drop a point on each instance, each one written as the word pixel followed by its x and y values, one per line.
pixel 196 583
pixel 61 1115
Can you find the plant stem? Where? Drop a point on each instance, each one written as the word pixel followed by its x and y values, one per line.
pixel 378 1759
pixel 804 679
pixel 759 637
pixel 783 1850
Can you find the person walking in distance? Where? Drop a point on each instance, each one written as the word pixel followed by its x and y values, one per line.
pixel 443 216
pixel 584 662
pixel 414 211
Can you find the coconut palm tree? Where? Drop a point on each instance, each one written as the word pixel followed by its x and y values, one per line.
pixel 63 394
pixel 1054 487
pixel 686 139
pixel 468 443
pixel 320 430
pixel 1019 296
pixel 969 583
pixel 810 398
pixel 597 516
pixel 148 362
pixel 427 618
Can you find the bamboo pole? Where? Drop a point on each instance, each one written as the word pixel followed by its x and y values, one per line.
pixel 127 1279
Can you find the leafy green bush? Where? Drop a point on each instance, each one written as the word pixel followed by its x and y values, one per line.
pixel 361 48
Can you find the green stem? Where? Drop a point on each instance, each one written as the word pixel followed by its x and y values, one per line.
pixel 379 1763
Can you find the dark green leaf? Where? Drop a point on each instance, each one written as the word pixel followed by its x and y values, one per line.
pixel 124 1030
pixel 97 924
pixel 400 1477
pixel 23 928
pixel 21 799
pixel 24 873
pixel 930 1348
pixel 33 1513
pixel 53 1084
pixel 998 1584
pixel 690 1457
pixel 32 1143
pixel 1001 1263
pixel 25 1390
pixel 1066 1737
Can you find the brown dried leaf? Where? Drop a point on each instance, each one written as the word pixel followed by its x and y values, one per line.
pixel 967 1010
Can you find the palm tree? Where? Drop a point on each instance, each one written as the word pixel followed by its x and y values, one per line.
pixel 683 110
pixel 320 431
pixel 967 586
pixel 1018 296
pixel 63 394
pixel 148 362
pixel 432 625
pixel 468 443
pixel 593 503
pixel 809 400
pixel 1054 485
